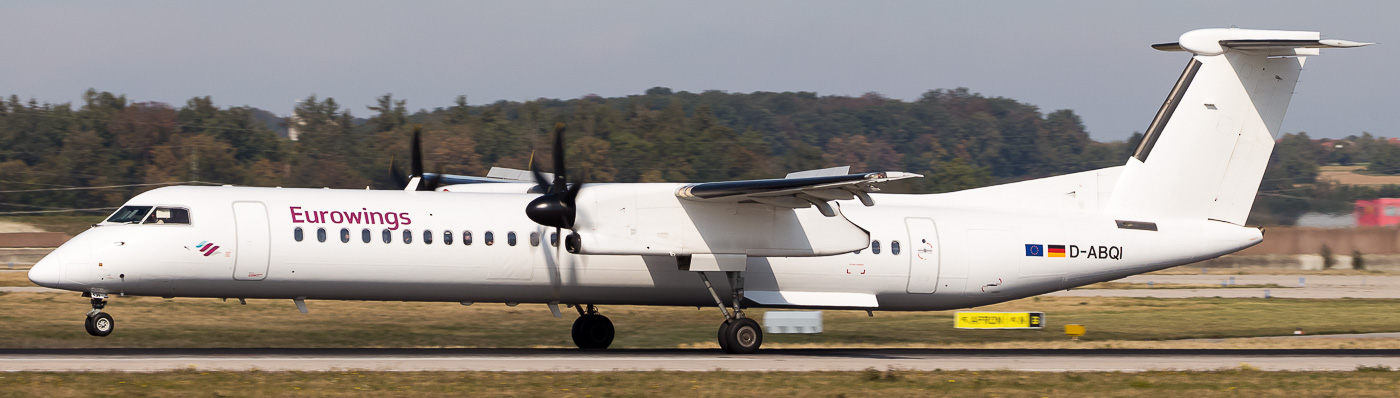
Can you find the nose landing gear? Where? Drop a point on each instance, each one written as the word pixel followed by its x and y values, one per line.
pixel 99 323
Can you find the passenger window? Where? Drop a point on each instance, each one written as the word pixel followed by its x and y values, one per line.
pixel 427 236
pixel 554 239
pixel 130 214
pixel 297 234
pixel 534 239
pixel 364 235
pixel 894 247
pixel 407 236
pixel 875 247
pixel 510 238
pixel 447 238
pixel 490 238
pixel 169 215
pixel 320 234
pixel 388 236
pixel 345 235
pixel 467 238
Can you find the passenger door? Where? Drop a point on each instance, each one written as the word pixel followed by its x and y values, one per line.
pixel 252 253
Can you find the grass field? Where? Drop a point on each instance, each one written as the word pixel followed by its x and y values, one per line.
pixel 1354 175
pixel 70 225
pixel 1371 382
pixel 15 279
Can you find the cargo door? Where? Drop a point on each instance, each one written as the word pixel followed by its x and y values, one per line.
pixel 923 255
pixel 252 253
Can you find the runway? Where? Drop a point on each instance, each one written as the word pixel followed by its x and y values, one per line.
pixel 150 360
pixel 1289 286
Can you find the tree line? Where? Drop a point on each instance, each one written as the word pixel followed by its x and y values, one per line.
pixel 956 138
pixel 1291 186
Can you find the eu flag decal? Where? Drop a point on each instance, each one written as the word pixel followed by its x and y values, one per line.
pixel 1035 250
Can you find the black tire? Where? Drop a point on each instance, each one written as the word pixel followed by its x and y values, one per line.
pixel 593 332
pixel 87 325
pixel 100 325
pixel 744 337
pixel 723 337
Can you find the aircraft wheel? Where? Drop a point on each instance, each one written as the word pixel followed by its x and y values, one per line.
pixel 593 332
pixel 743 336
pixel 723 337
pixel 99 325
pixel 87 325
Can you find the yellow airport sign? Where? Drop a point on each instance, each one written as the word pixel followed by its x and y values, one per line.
pixel 1074 330
pixel 999 320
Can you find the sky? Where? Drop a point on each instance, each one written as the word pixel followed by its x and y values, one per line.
pixel 1089 56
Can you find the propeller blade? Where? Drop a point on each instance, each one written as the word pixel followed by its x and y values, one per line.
pixel 560 178
pixel 417 160
pixel 572 192
pixel 432 181
pixel 541 184
pixel 397 174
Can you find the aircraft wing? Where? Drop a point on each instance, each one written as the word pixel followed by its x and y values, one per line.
pixel 795 193
pixel 496 175
pixel 453 179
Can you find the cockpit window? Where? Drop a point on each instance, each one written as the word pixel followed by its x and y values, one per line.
pixel 169 215
pixel 129 214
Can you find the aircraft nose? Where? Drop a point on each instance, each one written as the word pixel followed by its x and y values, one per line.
pixel 48 272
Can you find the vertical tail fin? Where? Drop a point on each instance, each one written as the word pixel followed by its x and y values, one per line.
pixel 1204 154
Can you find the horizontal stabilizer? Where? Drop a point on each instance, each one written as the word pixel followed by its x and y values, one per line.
pixel 1272 42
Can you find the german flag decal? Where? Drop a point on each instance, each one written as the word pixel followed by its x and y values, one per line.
pixel 1056 251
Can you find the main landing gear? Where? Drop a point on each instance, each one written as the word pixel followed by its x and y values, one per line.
pixel 99 323
pixel 592 331
pixel 738 334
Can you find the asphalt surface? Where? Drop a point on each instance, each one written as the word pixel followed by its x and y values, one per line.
pixel 1289 286
pixel 147 360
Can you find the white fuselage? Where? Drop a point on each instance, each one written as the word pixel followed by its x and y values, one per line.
pixel 949 257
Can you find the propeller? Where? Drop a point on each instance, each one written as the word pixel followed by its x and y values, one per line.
pixel 556 207
pixel 416 178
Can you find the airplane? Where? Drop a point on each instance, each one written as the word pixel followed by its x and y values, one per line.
pixel 821 239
